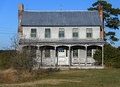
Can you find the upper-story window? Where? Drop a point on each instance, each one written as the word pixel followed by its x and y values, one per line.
pixel 47 33
pixel 75 32
pixel 89 32
pixel 33 33
pixel 61 32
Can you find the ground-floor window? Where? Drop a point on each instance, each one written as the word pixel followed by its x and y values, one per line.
pixel 75 53
pixel 89 53
pixel 47 53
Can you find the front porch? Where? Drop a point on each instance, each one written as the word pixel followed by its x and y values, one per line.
pixel 66 56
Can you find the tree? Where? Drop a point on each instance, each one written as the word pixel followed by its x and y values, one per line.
pixel 110 18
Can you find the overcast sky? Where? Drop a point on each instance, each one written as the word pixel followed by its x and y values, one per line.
pixel 9 14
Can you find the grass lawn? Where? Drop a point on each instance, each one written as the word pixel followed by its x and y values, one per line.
pixel 74 78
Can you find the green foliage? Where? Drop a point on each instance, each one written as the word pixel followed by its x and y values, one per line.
pixel 110 18
pixel 111 56
pixel 18 60
pixel 6 59
pixel 118 48
pixel 24 60
pixel 97 56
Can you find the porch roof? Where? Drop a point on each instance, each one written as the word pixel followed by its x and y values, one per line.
pixel 62 41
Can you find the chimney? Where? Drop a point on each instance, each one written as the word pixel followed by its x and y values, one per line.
pixel 20 10
pixel 100 10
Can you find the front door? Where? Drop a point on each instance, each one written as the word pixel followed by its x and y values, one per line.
pixel 62 59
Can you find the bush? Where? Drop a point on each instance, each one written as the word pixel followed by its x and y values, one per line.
pixel 98 57
pixel 111 56
pixel 6 58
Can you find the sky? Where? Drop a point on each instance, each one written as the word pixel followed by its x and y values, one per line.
pixel 9 14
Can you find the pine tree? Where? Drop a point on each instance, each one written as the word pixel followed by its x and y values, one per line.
pixel 110 19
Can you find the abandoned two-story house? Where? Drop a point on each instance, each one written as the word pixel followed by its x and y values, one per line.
pixel 62 38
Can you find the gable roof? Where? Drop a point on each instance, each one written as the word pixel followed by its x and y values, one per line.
pixel 61 18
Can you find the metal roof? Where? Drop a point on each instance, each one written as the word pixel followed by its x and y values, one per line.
pixel 62 41
pixel 61 18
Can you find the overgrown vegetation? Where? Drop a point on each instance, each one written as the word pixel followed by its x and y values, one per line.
pixel 111 56
pixel 74 78
pixel 7 58
pixel 12 75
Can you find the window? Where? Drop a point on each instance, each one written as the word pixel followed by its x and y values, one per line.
pixel 75 53
pixel 47 33
pixel 89 53
pixel 61 49
pixel 75 32
pixel 33 33
pixel 47 53
pixel 61 33
pixel 89 32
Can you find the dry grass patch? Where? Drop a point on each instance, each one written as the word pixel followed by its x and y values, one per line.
pixel 9 75
pixel 40 82
pixel 12 76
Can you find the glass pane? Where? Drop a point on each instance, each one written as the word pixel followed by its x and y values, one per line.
pixel 75 53
pixel 61 32
pixel 89 53
pixel 89 32
pixel 47 33
pixel 33 33
pixel 75 29
pixel 89 35
pixel 75 32
pixel 33 30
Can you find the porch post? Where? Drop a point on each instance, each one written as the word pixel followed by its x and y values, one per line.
pixel 38 56
pixel 102 56
pixel 54 55
pixel 69 57
pixel 41 56
pixel 79 56
pixel 86 56
pixel 57 57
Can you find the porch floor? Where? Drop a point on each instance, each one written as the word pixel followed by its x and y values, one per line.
pixel 72 67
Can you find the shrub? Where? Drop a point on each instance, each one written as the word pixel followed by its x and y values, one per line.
pixel 111 56
pixel 8 76
pixel 98 57
pixel 6 59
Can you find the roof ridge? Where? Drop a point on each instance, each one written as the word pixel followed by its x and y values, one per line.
pixel 61 11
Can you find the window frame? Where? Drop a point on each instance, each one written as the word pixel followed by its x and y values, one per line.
pixel 47 34
pixel 89 52
pixel 75 32
pixel 89 32
pixel 33 34
pixel 61 33
pixel 75 53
